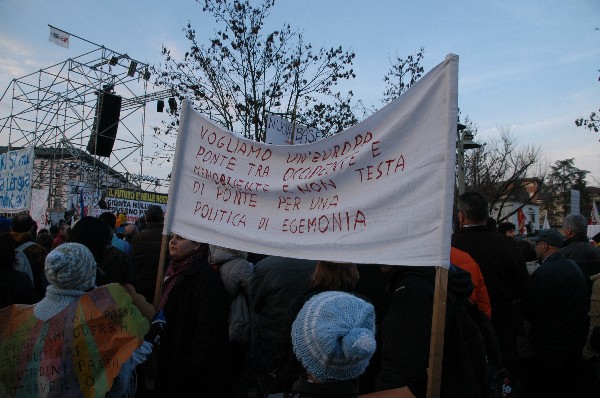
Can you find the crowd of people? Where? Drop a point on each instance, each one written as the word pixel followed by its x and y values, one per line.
pixel 522 313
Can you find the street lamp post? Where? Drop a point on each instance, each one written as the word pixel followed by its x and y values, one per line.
pixel 465 141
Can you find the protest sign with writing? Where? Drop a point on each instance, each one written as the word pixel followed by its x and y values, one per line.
pixel 280 131
pixel 133 203
pixel 16 174
pixel 379 192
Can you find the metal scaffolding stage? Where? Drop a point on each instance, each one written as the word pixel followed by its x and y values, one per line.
pixel 80 141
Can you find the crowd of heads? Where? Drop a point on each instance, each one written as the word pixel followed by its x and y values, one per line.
pixel 333 335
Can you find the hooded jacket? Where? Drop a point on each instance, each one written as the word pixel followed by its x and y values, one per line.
pixel 36 255
pixel 236 273
pixel 234 268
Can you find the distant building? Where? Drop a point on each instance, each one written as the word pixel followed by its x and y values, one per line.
pixel 524 194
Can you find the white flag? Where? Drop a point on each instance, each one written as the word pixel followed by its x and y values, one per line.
pixel 59 37
pixel 595 219
pixel 546 222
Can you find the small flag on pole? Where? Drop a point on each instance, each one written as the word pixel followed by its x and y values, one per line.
pixel 546 222
pixel 522 221
pixel 595 219
pixel 59 37
pixel 82 209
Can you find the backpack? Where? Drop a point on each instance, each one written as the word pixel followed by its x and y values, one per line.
pixel 239 312
pixel 22 262
pixel 239 319
pixel 475 351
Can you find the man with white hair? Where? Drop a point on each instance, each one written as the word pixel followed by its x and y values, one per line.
pixel 578 248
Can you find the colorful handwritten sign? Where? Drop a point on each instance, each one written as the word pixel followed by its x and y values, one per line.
pixel 16 175
pixel 379 192
pixel 77 353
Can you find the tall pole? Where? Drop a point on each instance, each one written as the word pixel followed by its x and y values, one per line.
pixel 461 167
pixel 460 159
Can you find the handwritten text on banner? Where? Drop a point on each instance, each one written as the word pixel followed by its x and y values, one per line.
pixel 16 176
pixel 379 192
pixel 133 203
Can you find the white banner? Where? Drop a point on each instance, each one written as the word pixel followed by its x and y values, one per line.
pixel 59 37
pixel 16 174
pixel 279 132
pixel 133 203
pixel 39 205
pixel 379 192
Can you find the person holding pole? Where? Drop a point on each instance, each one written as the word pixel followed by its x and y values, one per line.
pixel 194 356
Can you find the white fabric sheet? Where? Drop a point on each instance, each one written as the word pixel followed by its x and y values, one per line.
pixel 379 192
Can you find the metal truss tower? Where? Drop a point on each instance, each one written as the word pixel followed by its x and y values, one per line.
pixel 55 109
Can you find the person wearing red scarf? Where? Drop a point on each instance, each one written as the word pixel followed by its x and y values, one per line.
pixel 194 352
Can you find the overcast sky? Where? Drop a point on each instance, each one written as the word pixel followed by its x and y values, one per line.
pixel 528 66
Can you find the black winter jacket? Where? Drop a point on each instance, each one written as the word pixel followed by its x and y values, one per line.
pixel 505 274
pixel 195 353
pixel 557 306
pixel 335 389
pixel 587 256
pixel 145 253
pixel 406 335
pixel 275 284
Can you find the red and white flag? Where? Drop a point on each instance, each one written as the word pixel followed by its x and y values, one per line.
pixel 59 37
pixel 595 218
pixel 522 218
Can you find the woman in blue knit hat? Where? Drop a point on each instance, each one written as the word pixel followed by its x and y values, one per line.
pixel 333 337
pixel 327 276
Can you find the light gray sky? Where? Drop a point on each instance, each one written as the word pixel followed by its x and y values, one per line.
pixel 528 66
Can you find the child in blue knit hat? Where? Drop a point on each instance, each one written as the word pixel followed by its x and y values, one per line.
pixel 333 337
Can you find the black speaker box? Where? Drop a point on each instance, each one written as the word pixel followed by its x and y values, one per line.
pixel 106 123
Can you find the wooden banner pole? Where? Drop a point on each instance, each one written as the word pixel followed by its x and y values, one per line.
pixel 438 321
pixel 161 271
